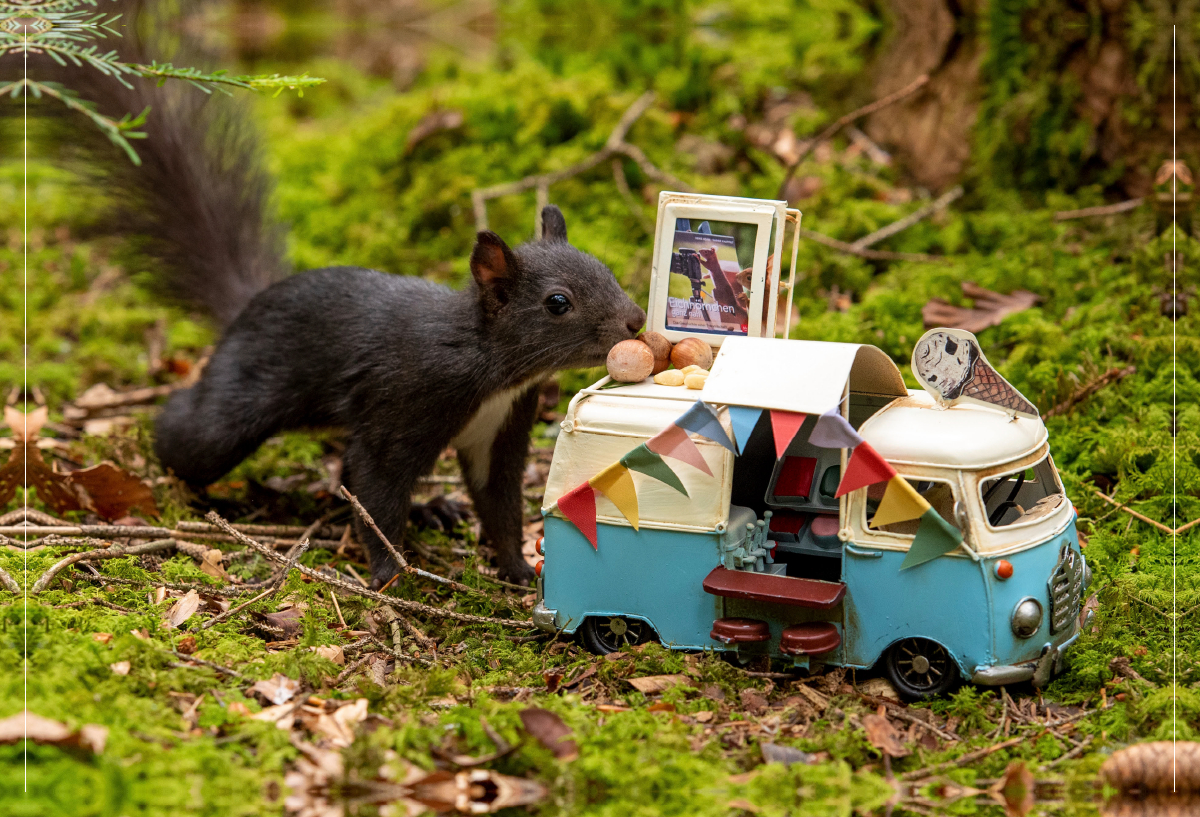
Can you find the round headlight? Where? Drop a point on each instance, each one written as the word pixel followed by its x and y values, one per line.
pixel 1026 617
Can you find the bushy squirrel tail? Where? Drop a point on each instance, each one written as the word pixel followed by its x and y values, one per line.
pixel 197 204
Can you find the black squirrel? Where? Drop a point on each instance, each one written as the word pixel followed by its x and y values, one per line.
pixel 405 365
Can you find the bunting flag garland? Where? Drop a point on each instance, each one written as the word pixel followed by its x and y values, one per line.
pixel 935 537
pixel 785 425
pixel 743 419
pixel 865 468
pixel 834 431
pixel 701 419
pixel 900 503
pixel 616 483
pixel 578 506
pixel 675 443
pixel 645 461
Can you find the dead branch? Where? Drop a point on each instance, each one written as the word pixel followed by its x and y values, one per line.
pixel 210 665
pixel 630 199
pixel 138 532
pixel 615 145
pixel 1132 512
pixel 400 560
pixel 10 584
pixel 871 255
pixel 113 552
pixel 351 668
pixel 940 203
pixel 297 531
pixel 128 398
pixel 210 589
pixel 400 604
pixel 830 131
pixel 1106 379
pixel 25 514
pixel 98 602
pixel 1106 210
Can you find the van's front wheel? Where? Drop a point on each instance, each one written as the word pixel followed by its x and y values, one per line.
pixel 606 634
pixel 920 668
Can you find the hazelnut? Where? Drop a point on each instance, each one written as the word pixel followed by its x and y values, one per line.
pixel 692 352
pixel 630 361
pixel 661 347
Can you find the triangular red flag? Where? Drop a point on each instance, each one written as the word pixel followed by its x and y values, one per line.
pixel 865 468
pixel 784 425
pixel 579 507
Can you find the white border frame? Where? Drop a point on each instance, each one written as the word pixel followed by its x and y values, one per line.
pixel 762 213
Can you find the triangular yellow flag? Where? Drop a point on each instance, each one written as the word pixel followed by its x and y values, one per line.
pixel 900 503
pixel 616 483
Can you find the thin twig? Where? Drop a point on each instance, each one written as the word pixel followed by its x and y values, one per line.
pixel 1105 210
pixel 1074 753
pixel 401 604
pixel 829 132
pixel 615 145
pixel 871 255
pixel 10 584
pixel 941 203
pixel 293 554
pixel 350 668
pixel 400 560
pixel 93 555
pixel 1106 379
pixel 210 665
pixel 1132 512
pixel 100 602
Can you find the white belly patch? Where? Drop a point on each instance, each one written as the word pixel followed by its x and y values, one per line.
pixel 476 438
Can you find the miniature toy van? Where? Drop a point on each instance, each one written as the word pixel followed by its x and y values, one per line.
pixel 751 550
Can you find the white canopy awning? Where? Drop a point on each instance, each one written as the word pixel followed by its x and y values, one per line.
pixel 804 376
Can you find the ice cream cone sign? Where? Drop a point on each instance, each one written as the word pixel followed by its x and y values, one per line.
pixel 951 366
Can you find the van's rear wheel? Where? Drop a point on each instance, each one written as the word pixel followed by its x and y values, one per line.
pixel 920 668
pixel 605 634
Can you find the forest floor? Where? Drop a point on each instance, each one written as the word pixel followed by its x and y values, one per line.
pixel 313 696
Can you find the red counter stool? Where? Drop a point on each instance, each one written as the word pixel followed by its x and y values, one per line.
pixel 809 638
pixel 740 631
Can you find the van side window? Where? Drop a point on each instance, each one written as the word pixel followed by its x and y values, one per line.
pixel 940 496
pixel 1021 496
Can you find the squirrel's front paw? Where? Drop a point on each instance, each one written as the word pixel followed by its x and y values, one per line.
pixel 516 571
pixel 439 513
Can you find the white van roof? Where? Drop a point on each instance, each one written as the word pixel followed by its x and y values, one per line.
pixel 805 376
pixel 917 430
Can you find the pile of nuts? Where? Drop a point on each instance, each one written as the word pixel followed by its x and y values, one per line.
pixel 632 361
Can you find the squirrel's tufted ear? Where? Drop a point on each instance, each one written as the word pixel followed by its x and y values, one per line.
pixel 494 268
pixel 554 226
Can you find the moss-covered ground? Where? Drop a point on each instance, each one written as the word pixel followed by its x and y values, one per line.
pixel 353 191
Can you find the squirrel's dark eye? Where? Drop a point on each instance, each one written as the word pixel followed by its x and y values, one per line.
pixel 558 304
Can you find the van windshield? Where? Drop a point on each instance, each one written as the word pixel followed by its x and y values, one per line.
pixel 1021 496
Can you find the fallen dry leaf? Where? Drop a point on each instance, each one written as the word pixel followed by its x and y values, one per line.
pixel 661 706
pixel 102 638
pixel 120 668
pixel 883 736
pixel 25 466
pixel 477 791
pixel 703 716
pixel 338 727
pixel 182 610
pixel 649 684
pixel 551 732
pixel 186 645
pixel 1015 790
pixel 331 651
pixel 431 123
pixel 238 708
pixel 753 701
pixel 112 491
pixel 879 688
pixel 989 310
pixel 787 755
pixel 211 564
pixel 44 730
pixel 285 624
pixel 282 716
pixel 279 689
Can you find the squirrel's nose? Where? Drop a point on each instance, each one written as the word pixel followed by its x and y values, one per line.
pixel 637 320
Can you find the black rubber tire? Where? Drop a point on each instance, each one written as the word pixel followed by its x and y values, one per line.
pixel 608 634
pixel 940 677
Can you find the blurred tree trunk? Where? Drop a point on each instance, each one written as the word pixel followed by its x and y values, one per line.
pixel 1040 95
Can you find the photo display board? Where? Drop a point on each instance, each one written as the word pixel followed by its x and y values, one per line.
pixel 712 275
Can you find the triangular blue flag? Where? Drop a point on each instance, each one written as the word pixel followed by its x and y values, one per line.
pixel 701 419
pixel 743 419
pixel 833 431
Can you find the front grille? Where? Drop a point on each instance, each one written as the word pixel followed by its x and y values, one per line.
pixel 1066 587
